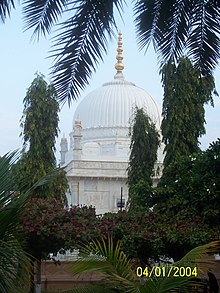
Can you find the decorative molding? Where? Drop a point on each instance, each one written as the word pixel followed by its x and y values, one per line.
pixel 103 133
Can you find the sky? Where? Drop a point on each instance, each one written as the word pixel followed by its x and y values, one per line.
pixel 21 58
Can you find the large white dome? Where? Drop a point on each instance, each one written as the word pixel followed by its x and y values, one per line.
pixel 112 105
pixel 102 119
pixel 105 113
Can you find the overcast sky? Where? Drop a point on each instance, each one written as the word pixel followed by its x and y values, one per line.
pixel 21 59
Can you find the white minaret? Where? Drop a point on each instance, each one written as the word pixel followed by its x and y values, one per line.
pixel 63 150
pixel 77 136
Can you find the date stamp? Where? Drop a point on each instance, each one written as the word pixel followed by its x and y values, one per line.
pixel 169 271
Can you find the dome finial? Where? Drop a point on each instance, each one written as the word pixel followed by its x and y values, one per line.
pixel 119 66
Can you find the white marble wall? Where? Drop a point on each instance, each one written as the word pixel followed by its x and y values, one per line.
pixel 98 192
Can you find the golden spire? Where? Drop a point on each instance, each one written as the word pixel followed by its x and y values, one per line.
pixel 119 66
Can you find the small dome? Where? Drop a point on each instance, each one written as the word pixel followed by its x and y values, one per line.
pixel 112 105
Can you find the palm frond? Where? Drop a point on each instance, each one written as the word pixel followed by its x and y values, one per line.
pixel 42 15
pixel 180 27
pixel 115 272
pixel 109 262
pixel 6 182
pixel 198 260
pixel 165 23
pixel 5 8
pixel 174 37
pixel 15 267
pixel 147 17
pixel 80 44
pixel 14 263
pixel 204 37
pixel 202 257
pixel 164 284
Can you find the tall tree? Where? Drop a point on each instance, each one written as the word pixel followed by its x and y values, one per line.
pixel 185 94
pixel 144 145
pixel 40 129
pixel 174 27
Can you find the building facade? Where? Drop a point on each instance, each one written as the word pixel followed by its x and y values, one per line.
pixel 96 160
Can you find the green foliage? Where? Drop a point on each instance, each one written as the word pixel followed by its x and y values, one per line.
pixel 14 263
pixel 144 145
pixel 185 213
pixel 40 129
pixel 107 259
pixel 193 183
pixel 185 94
pixel 186 210
pixel 140 196
pixel 157 233
pixel 40 121
pixel 139 233
pixel 115 270
pixel 48 226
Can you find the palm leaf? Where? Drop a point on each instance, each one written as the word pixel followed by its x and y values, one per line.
pixel 180 27
pixel 14 262
pixel 15 267
pixel 5 8
pixel 42 14
pixel 6 183
pixel 165 23
pixel 202 257
pixel 162 285
pixel 204 41
pixel 115 272
pixel 80 44
pixel 109 262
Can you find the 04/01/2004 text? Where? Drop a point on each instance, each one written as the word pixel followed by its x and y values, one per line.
pixel 169 271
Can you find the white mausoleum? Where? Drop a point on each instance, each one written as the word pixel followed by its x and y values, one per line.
pixel 97 157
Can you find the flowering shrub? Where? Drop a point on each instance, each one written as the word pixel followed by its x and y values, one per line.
pixel 48 226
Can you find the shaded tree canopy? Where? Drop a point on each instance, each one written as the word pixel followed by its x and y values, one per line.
pixel 144 145
pixel 40 129
pixel 185 94
pixel 49 227
pixel 40 122
pixel 193 183
pixel 185 213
